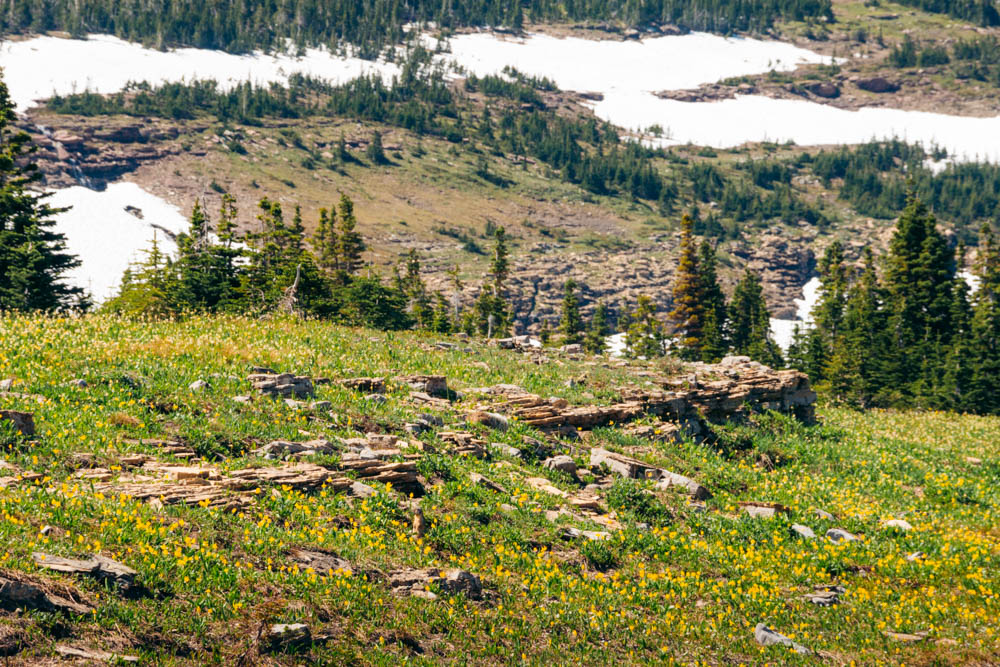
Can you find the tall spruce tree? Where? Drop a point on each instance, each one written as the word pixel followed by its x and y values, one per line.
pixel 350 244
pixel 33 257
pixel 715 333
pixel 570 322
pixel 983 395
pixel 645 337
pixel 751 322
pixel 688 314
pixel 595 341
pixel 828 313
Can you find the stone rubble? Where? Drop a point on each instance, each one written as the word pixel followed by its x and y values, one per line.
pixel 103 569
pixel 630 468
pixel 284 385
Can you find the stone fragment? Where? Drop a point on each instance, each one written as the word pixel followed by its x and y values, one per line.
pixel 101 568
pixel 562 463
pixel 279 449
pixel 898 524
pixel 288 636
pixel 6 384
pixel 765 636
pixel 504 449
pixel 24 422
pixel 804 532
pixel 839 536
pixel 198 386
pixel 486 483
pixel 905 637
pixel 362 490
pixel 915 556
pixel 824 515
pixel 18 591
pixel 825 596
pixel 434 385
pixel 489 419
pixel 377 399
pixel 93 655
pixel 415 581
pixel 321 562
pixel 283 385
pixel 877 84
pixel 79 383
pixel 368 385
pixel 763 510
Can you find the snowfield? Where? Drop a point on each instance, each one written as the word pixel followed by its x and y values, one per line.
pixel 784 330
pixel 107 238
pixel 37 68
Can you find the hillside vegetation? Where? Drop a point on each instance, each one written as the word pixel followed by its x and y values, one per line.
pixel 650 576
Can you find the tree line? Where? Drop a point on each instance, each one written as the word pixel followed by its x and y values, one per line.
pixel 370 25
pixel 904 330
pixel 973 58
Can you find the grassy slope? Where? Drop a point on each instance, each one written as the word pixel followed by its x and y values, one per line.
pixel 690 587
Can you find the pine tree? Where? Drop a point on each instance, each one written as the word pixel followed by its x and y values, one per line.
pixel 715 336
pixel 985 328
pixel 416 292
pixel 570 323
pixel 596 339
pixel 33 257
pixel 919 283
pixel 828 313
pixel 326 242
pixel 688 315
pixel 375 152
pixel 492 314
pixel 645 337
pixel 350 245
pixel 751 322
pixel 441 321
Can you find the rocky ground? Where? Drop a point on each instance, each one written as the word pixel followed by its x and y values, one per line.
pixel 167 494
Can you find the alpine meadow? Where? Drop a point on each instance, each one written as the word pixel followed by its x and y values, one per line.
pixel 500 332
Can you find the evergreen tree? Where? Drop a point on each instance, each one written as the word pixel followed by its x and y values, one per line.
pixel 570 323
pixel 375 152
pixel 146 288
pixel 33 257
pixel 326 242
pixel 751 322
pixel 441 321
pixel 985 328
pixel 715 336
pixel 645 337
pixel 688 315
pixel 492 314
pixel 596 340
pixel 350 245
pixel 416 292
pixel 828 313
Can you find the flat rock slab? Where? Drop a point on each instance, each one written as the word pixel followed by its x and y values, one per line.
pixel 18 591
pixel 101 568
pixel 765 636
pixel 93 655
pixel 415 581
pixel 320 561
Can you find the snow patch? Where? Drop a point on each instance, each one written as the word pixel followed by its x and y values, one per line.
pixel 37 68
pixel 783 331
pixel 105 231
pixel 628 73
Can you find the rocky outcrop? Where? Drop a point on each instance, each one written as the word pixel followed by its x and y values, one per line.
pixel 282 384
pixel 730 390
pixel 877 84
pixel 783 266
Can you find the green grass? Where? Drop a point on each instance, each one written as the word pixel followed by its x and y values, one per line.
pixel 674 585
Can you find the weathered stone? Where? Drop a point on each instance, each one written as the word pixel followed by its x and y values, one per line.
pixel 282 385
pixel 18 591
pixel 321 562
pixel 434 385
pixel 198 386
pixel 825 596
pixel 824 89
pixel 413 581
pixel 804 532
pixel 286 636
pixel 562 463
pixel 24 422
pixel 625 466
pixel 6 384
pixel 505 449
pixel 898 524
pixel 838 536
pixel 765 636
pixel 486 483
pixel 763 510
pixel 490 419
pixel 101 568
pixel 362 490
pixel 877 84
pixel 79 383
pixel 824 515
pixel 93 655
pixel 368 385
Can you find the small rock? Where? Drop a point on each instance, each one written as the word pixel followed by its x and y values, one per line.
pixel 906 637
pixel 242 399
pixel 505 449
pixel 765 636
pixel 79 383
pixel 972 460
pixel 915 556
pixel 6 384
pixel 377 399
pixel 804 532
pixel 283 636
pixel 320 406
pixel 362 490
pixel 826 596
pixel 198 385
pixel 898 524
pixel 490 419
pixel 561 463
pixel 838 536
pixel 826 516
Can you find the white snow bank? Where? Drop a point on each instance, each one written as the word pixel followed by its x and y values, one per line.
pixel 106 237
pixel 627 73
pixel 614 66
pixel 784 330
pixel 35 69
